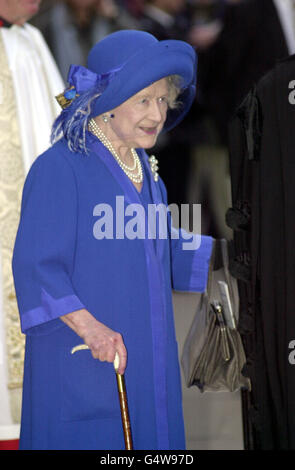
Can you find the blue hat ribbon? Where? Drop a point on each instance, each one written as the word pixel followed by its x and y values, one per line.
pixel 81 79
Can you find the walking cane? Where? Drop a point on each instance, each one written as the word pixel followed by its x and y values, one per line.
pixel 122 399
pixel 123 405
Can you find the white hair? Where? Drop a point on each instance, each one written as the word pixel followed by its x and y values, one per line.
pixel 174 90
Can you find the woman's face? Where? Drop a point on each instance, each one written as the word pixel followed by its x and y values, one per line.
pixel 138 121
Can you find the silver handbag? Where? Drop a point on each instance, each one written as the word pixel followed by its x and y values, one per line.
pixel 213 355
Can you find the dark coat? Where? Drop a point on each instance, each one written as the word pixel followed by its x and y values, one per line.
pixel 262 142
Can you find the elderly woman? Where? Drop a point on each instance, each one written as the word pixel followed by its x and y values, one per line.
pixel 80 274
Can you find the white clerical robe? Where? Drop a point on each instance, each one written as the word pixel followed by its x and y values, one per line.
pixel 36 82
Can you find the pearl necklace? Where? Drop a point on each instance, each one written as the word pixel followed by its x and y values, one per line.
pixel 135 177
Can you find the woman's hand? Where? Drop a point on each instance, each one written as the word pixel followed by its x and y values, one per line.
pixel 101 340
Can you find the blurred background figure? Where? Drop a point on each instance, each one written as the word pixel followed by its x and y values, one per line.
pixel 29 80
pixel 237 42
pixel 72 27
pixel 209 183
pixel 166 17
pixel 254 35
pixel 134 7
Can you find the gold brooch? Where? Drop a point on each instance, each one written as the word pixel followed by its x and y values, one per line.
pixel 154 167
pixel 65 98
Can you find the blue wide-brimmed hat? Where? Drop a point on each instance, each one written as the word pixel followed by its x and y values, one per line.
pixel 138 59
pixel 122 64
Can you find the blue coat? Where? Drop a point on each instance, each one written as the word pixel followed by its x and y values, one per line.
pixel 63 263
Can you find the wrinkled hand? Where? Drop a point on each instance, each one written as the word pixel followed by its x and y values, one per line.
pixel 101 340
pixel 104 343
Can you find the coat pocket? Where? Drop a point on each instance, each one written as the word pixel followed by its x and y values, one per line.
pixel 89 387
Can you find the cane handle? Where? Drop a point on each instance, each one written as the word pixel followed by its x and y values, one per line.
pixel 80 347
pixel 116 362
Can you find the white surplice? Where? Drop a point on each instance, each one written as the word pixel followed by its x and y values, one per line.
pixel 36 82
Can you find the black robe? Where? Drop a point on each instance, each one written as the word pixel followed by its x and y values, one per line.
pixel 262 159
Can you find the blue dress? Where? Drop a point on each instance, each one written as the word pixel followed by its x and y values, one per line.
pixel 68 256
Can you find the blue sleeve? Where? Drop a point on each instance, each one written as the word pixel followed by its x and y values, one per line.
pixel 44 249
pixel 190 260
pixel 190 257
